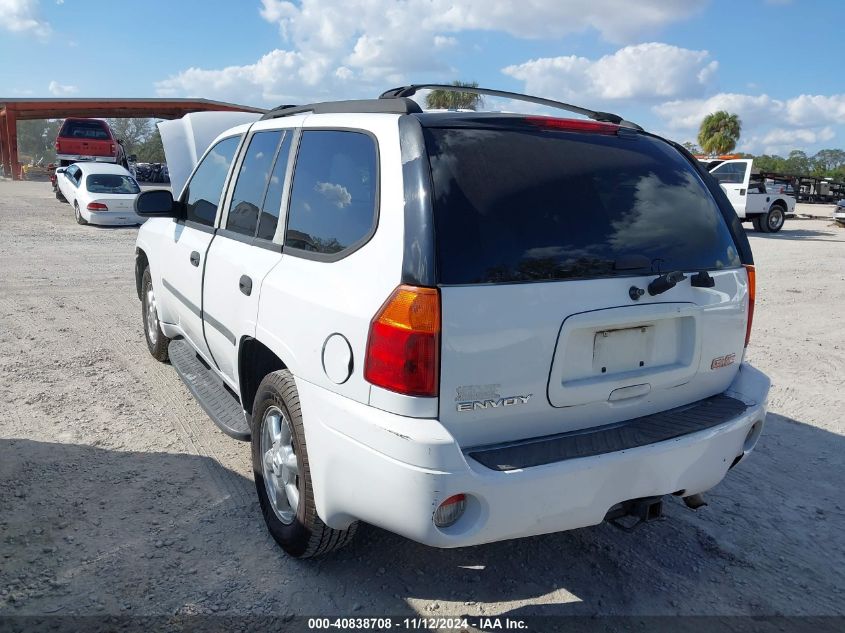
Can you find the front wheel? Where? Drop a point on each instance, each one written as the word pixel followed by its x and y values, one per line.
pixel 60 196
pixel 282 474
pixel 157 342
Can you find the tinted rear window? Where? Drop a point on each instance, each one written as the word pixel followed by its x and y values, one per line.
pixel 111 183
pixel 526 205
pixel 87 130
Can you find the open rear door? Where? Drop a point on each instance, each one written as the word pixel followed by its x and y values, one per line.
pixel 733 176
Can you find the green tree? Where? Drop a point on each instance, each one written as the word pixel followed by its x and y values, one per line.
pixel 692 148
pixel 797 163
pixel 827 161
pixel 132 132
pixel 151 150
pixel 719 132
pixel 453 100
pixel 36 139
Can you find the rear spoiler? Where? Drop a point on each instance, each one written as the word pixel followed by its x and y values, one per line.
pixel 185 140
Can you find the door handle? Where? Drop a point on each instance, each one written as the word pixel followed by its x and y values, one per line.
pixel 245 284
pixel 195 258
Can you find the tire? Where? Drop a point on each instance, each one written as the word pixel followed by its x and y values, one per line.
pixel 774 220
pixel 78 215
pixel 278 432
pixel 157 342
pixel 60 197
pixel 756 222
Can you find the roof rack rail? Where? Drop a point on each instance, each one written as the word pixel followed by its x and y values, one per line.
pixel 606 117
pixel 396 105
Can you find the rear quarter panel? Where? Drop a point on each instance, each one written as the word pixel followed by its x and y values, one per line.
pixel 303 301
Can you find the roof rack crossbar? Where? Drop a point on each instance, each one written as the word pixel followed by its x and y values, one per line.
pixel 382 106
pixel 607 117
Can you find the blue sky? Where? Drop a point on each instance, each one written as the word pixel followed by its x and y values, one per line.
pixel 661 63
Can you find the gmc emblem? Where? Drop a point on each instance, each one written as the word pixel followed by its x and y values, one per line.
pixel 722 361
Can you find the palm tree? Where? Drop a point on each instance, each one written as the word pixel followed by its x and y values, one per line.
pixel 452 100
pixel 719 132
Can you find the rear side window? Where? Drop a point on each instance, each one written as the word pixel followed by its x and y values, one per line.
pixel 86 130
pixel 273 200
pixel 202 196
pixel 334 192
pixel 252 182
pixel 516 205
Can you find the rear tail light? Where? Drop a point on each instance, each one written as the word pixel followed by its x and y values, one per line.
pixel 450 511
pixel 573 125
pixel 403 349
pixel 111 148
pixel 752 291
pixel 97 206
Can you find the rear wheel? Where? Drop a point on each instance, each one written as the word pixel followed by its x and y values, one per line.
pixel 157 342
pixel 282 473
pixel 78 214
pixel 756 222
pixel 773 221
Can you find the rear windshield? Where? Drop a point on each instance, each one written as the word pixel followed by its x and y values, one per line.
pixel 534 205
pixel 111 183
pixel 95 130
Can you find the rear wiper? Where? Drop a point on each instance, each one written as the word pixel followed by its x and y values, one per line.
pixel 665 282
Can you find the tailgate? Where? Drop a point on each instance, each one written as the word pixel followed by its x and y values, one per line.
pixel 546 240
pixel 518 362
pixel 83 147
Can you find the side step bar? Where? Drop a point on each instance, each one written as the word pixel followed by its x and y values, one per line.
pixel 219 403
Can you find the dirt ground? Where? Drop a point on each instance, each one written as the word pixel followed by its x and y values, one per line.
pixel 118 495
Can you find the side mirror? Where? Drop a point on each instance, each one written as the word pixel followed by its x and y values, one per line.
pixel 61 170
pixel 157 203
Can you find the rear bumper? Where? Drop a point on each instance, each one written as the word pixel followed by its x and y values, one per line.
pixel 112 218
pixel 80 158
pixel 393 472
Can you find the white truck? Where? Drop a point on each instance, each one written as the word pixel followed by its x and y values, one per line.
pixel 767 210
pixel 460 327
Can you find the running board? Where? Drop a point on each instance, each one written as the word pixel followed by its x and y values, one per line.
pixel 219 403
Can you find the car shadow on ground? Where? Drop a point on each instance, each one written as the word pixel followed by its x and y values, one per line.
pixel 92 530
pixel 812 235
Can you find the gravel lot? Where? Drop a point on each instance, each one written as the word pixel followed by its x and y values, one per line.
pixel 120 496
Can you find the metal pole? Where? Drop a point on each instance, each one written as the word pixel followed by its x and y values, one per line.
pixel 12 138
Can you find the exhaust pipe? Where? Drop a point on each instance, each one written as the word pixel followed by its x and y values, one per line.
pixel 641 510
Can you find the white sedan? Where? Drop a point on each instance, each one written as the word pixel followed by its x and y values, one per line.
pixel 100 193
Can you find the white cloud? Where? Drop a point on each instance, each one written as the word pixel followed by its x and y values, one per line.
pixel 801 111
pixel 645 71
pixel 781 140
pixel 350 48
pixel 686 114
pixel 266 80
pixel 60 90
pixel 816 109
pixel 770 126
pixel 22 16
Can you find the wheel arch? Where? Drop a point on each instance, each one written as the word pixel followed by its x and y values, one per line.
pixel 255 360
pixel 141 263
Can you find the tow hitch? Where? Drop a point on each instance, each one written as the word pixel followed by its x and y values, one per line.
pixel 629 515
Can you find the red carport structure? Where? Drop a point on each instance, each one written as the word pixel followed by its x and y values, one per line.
pixel 14 110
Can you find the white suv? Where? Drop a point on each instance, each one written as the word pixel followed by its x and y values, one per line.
pixel 461 327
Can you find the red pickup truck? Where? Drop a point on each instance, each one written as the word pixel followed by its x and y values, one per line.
pixel 88 140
